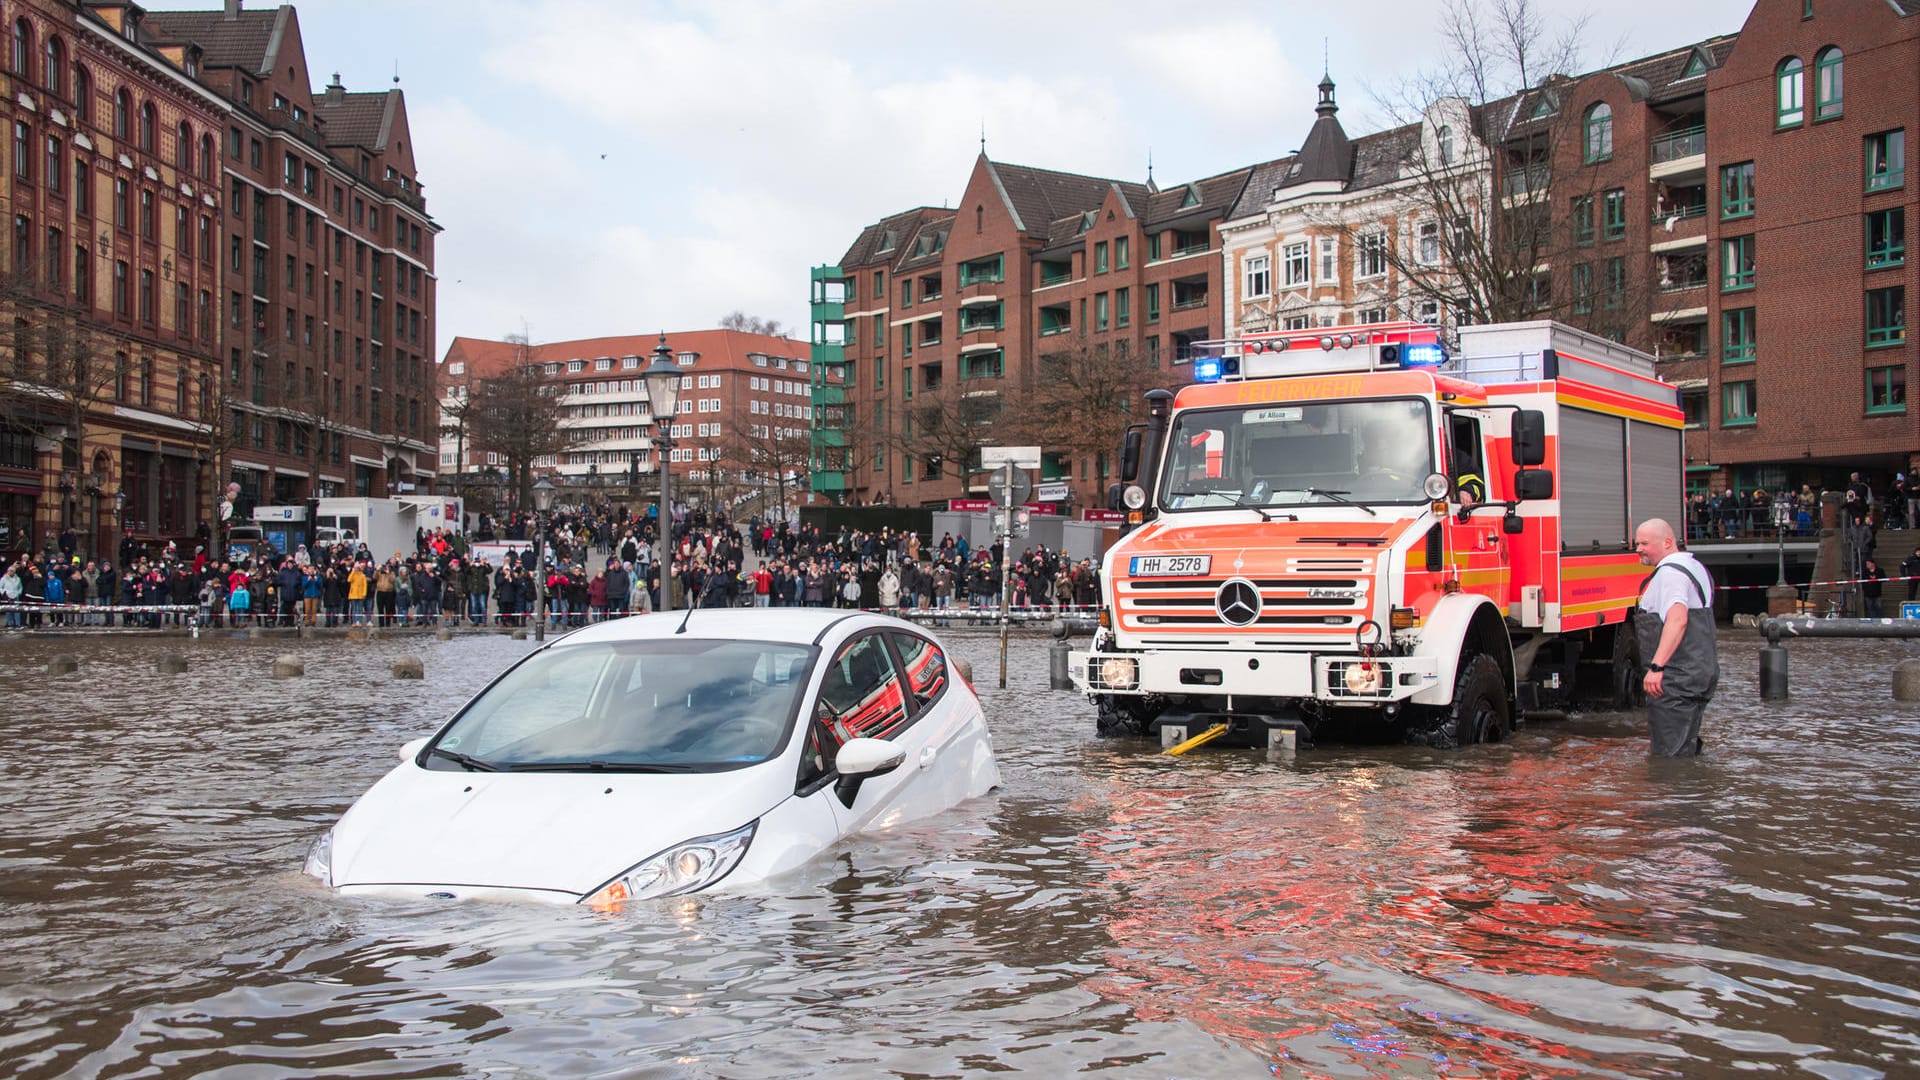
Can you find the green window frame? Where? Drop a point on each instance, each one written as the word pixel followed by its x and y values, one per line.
pixel 1739 403
pixel 906 293
pixel 1789 98
pixel 1153 303
pixel 1738 342
pixel 906 381
pixel 1886 237
pixel 880 285
pixel 991 365
pixel 1887 390
pixel 1100 257
pixel 1616 292
pixel 1828 82
pixel 1614 213
pixel 1122 307
pixel 1583 288
pixel 1121 252
pixel 879 331
pixel 981 271
pixel 1100 311
pixel 1887 159
pixel 1886 316
pixel 1583 219
pixel 1736 263
pixel 1599 140
pixel 1153 247
pixel 1736 190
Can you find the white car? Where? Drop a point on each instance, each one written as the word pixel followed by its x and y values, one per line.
pixel 666 754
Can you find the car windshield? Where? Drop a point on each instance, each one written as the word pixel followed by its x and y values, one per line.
pixel 1377 451
pixel 678 705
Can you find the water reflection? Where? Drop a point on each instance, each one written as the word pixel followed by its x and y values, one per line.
pixel 1556 905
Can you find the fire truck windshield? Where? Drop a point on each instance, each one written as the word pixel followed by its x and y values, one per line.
pixel 1299 453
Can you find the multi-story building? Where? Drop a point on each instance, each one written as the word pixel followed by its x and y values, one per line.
pixel 112 184
pixel 329 287
pixel 215 274
pixel 742 424
pixel 965 303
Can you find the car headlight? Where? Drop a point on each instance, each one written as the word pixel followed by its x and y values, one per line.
pixel 320 858
pixel 1119 673
pixel 683 868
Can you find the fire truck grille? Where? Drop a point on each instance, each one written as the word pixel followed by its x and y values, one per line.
pixel 1285 602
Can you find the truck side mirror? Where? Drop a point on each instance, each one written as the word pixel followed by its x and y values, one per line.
pixel 1130 454
pixel 1533 484
pixel 1529 438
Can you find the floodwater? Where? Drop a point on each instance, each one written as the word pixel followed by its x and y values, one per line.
pixel 1557 905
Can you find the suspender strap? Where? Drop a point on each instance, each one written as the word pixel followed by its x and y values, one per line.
pixel 1694 581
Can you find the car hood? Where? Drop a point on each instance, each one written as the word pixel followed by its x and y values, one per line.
pixel 570 832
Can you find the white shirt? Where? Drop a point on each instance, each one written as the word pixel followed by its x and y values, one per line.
pixel 1669 586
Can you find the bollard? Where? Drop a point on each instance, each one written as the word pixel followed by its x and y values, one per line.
pixel 409 667
pixel 1906 680
pixel 1057 678
pixel 443 634
pixel 288 666
pixel 170 664
pixel 1773 672
pixel 63 664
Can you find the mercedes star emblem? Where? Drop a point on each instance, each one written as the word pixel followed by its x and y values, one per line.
pixel 1238 601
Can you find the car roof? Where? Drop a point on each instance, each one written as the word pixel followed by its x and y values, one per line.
pixel 801 625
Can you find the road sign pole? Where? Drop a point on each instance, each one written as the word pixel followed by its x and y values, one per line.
pixel 1006 566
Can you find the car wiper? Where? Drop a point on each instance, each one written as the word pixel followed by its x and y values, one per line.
pixel 473 764
pixel 602 766
pixel 1340 497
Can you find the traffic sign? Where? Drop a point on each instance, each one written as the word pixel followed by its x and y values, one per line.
pixel 1025 457
pixel 1008 478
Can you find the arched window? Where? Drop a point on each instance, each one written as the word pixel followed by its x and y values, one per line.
pixel 206 157
pixel 122 114
pixel 183 148
pixel 54 78
pixel 149 127
pixel 1445 139
pixel 1790 100
pixel 1599 132
pixel 23 49
pixel 82 95
pixel 1826 83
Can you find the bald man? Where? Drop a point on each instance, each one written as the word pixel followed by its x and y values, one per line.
pixel 1678 646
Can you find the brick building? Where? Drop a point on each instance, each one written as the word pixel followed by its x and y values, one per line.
pixel 965 302
pixel 742 421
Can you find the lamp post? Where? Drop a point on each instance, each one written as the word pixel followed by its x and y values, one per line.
pixel 542 502
pixel 1782 514
pixel 663 390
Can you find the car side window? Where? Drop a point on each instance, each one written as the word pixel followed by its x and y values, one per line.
pixel 925 667
pixel 860 697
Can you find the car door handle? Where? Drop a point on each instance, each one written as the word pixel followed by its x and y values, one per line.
pixel 926 758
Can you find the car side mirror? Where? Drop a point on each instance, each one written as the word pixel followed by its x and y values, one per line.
pixel 859 759
pixel 1130 454
pixel 412 747
pixel 1529 438
pixel 1533 484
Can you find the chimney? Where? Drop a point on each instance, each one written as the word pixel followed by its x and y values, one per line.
pixel 233 9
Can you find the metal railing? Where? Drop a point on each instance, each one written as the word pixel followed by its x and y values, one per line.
pixel 1687 142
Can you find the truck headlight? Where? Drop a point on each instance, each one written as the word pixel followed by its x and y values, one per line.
pixel 1119 673
pixel 683 868
pixel 1133 497
pixel 1363 677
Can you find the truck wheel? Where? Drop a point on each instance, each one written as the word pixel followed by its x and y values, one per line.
pixel 1118 718
pixel 1627 691
pixel 1480 711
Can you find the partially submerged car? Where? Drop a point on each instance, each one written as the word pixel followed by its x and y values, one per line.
pixel 668 754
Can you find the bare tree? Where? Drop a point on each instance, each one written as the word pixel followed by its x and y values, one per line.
pixel 940 430
pixel 750 324
pixel 518 415
pixel 768 454
pixel 1081 397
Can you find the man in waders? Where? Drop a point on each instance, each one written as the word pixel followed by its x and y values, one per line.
pixel 1674 626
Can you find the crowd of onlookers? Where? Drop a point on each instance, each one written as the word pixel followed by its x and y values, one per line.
pixel 598 562
pixel 1728 514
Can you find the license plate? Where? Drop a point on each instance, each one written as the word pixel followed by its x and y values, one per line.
pixel 1169 565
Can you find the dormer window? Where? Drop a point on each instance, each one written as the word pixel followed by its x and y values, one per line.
pixel 279 102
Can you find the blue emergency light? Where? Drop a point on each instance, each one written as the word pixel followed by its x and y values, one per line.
pixel 1431 354
pixel 1207 369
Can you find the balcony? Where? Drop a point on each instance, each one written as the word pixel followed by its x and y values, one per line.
pixel 1679 154
pixel 1525 183
pixel 1683 272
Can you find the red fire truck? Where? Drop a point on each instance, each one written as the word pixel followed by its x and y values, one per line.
pixel 1349 527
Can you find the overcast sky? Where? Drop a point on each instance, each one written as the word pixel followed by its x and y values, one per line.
pixel 614 166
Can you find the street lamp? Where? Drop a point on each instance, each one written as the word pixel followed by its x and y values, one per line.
pixel 542 502
pixel 1782 517
pixel 663 389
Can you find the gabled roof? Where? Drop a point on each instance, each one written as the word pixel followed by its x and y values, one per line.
pixel 717 350
pixel 247 41
pixel 355 119
pixel 884 240
pixel 1038 197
